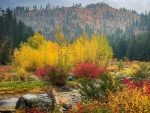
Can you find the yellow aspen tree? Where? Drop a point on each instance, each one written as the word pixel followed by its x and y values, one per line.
pixel 93 49
pixel 64 56
pixel 85 42
pixel 52 51
pixel 59 36
pixel 104 50
pixel 25 56
pixel 78 50
pixel 36 41
pixel 30 54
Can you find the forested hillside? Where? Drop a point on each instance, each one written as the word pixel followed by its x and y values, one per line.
pixel 93 18
pixel 12 33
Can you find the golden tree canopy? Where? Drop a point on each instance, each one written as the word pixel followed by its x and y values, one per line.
pixel 38 52
pixel 36 41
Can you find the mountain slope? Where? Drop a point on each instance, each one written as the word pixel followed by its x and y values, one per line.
pixel 94 18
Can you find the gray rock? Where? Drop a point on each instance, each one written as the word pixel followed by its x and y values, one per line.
pixel 7 105
pixel 42 101
pixel 71 77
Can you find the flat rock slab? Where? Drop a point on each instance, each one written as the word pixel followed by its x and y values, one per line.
pixel 72 96
pixel 8 104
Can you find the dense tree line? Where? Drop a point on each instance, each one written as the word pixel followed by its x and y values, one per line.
pixel 12 33
pixel 131 45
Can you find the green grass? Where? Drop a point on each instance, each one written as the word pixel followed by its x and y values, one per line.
pixel 15 85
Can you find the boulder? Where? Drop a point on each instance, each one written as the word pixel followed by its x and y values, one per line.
pixel 43 102
pixel 71 77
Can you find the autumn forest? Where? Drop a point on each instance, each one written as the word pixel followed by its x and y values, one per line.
pixel 105 52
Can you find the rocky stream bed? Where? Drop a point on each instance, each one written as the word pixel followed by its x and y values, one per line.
pixel 8 102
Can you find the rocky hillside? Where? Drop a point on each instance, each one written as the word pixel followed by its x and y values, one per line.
pixel 93 18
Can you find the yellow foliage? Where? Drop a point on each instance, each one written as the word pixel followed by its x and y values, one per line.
pixel 95 50
pixel 135 67
pixel 38 52
pixel 36 41
pixel 130 101
pixel 127 71
pixel 31 58
pixel 78 49
pixel 35 90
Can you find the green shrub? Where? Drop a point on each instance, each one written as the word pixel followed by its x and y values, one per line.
pixel 72 84
pixel 142 73
pixel 120 65
pixel 98 89
pixel 88 89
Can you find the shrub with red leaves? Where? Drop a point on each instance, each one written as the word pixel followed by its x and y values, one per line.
pixel 35 110
pixel 137 84
pixel 42 72
pixel 53 74
pixel 126 80
pixel 87 70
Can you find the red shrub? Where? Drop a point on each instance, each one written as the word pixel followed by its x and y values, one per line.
pixel 34 110
pixel 53 74
pixel 87 70
pixel 126 80
pixel 137 84
pixel 42 72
